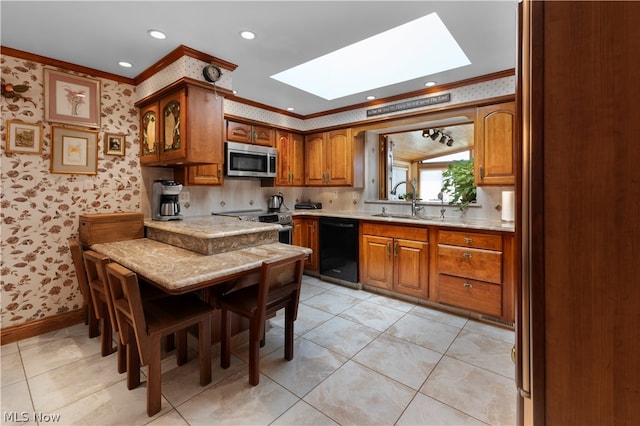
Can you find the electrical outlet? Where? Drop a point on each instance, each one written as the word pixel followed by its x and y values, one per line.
pixel 334 195
pixel 184 196
pixel 356 195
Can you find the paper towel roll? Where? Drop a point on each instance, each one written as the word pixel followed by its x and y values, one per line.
pixel 508 206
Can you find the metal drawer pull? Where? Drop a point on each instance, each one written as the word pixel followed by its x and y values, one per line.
pixel 468 240
pixel 467 285
pixel 467 255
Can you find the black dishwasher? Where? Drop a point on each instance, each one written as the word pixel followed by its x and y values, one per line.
pixel 339 248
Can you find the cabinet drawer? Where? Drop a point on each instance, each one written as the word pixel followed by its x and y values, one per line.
pixel 396 231
pixel 467 239
pixel 485 265
pixel 470 294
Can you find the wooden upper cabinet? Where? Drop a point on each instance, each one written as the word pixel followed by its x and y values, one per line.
pixel 339 157
pixel 181 126
pixel 173 119
pixel 314 168
pixel 206 174
pixel 250 133
pixel 290 148
pixel 149 134
pixel 334 158
pixel 494 145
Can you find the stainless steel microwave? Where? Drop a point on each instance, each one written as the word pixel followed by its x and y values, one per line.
pixel 246 160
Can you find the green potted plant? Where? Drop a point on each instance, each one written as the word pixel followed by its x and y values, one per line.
pixel 457 181
pixel 407 196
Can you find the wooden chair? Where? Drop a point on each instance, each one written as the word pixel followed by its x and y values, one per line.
pixel 143 325
pixel 78 263
pixel 279 287
pixel 95 264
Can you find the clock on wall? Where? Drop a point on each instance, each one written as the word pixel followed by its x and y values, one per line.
pixel 211 73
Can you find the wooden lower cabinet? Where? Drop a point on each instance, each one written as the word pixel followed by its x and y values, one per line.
pixel 376 263
pixel 305 234
pixel 395 258
pixel 470 294
pixel 467 269
pixel 475 272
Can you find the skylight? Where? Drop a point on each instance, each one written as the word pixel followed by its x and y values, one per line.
pixel 416 49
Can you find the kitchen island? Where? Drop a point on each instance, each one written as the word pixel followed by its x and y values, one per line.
pixel 198 252
pixel 212 234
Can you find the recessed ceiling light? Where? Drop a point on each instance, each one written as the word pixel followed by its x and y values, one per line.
pixel 290 109
pixel 371 97
pixel 408 49
pixel 430 83
pixel 125 64
pixel 247 35
pixel 157 34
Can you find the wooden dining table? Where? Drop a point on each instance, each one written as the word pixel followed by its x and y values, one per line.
pixel 176 270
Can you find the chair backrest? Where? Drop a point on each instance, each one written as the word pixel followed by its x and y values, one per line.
pixel 280 281
pixel 95 264
pixel 127 303
pixel 81 274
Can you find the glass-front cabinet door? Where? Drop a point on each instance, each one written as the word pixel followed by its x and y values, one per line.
pixel 149 146
pixel 174 137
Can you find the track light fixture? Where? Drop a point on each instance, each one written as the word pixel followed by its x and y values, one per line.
pixel 434 134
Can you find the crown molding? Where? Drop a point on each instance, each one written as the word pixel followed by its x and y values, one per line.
pixel 62 64
pixel 178 53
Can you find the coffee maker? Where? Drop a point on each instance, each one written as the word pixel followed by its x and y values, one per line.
pixel 165 203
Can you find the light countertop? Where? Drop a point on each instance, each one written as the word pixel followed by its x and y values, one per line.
pixel 208 227
pixel 179 270
pixel 466 223
pixel 212 234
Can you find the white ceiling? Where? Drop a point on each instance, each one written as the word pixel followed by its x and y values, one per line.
pixel 98 34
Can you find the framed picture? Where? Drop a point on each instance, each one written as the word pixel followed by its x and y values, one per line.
pixel 23 138
pixel 74 151
pixel 114 144
pixel 71 99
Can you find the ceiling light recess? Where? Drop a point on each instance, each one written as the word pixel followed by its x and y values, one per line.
pixel 125 64
pixel 247 35
pixel 413 50
pixel 157 34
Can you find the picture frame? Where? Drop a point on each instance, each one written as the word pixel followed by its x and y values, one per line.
pixel 74 150
pixel 114 143
pixel 23 138
pixel 71 99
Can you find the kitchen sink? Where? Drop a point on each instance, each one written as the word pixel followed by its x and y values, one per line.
pixel 401 216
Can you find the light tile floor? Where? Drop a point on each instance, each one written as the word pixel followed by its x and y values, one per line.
pixel 360 359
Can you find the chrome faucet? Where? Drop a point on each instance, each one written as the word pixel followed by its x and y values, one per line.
pixel 442 209
pixel 414 209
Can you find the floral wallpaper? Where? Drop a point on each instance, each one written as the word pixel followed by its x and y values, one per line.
pixel 40 210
